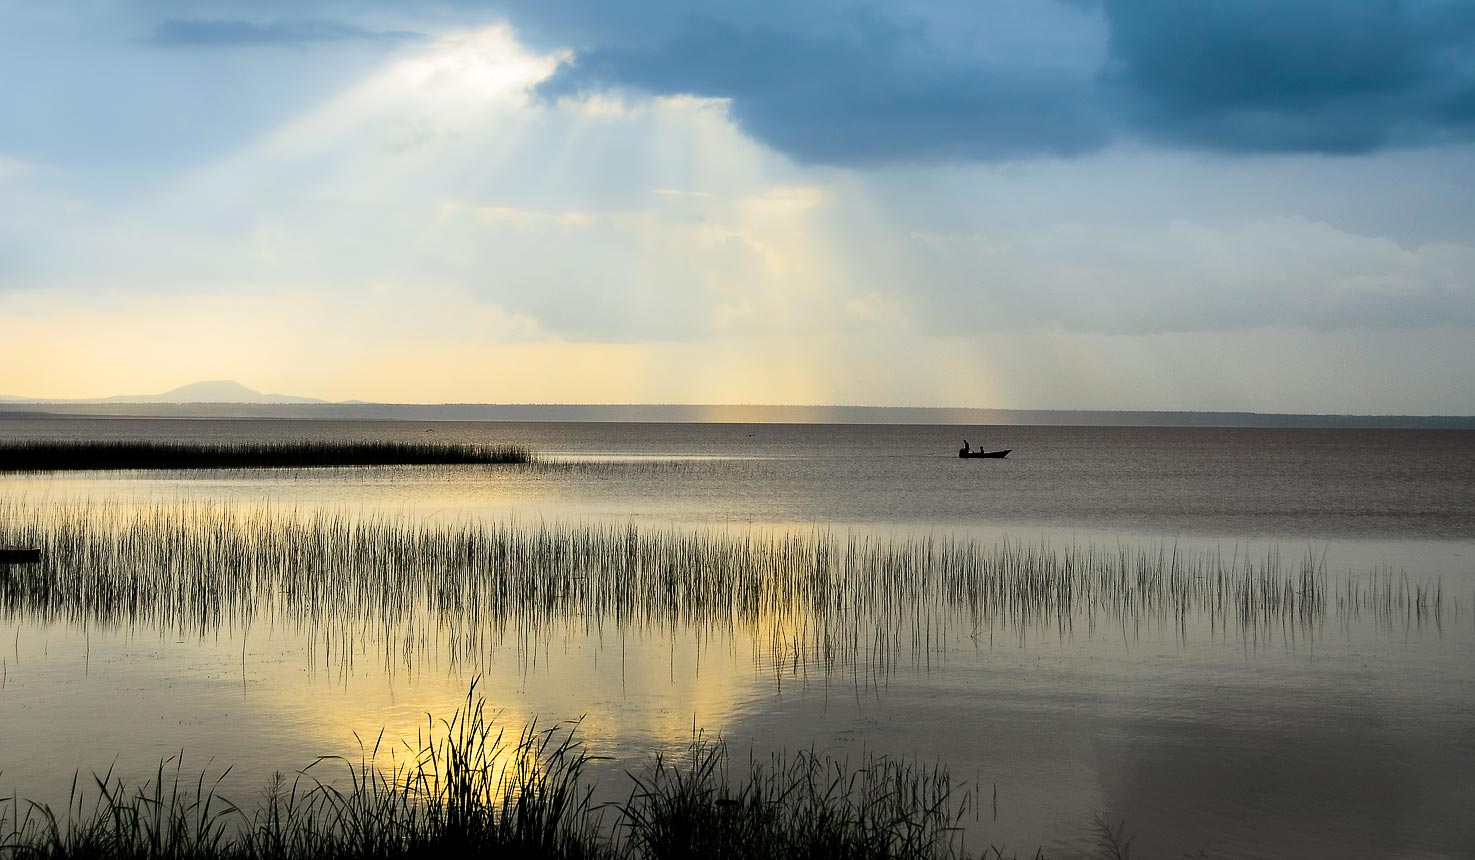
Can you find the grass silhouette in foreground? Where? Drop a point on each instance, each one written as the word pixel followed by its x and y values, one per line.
pixel 467 787
pixel 54 456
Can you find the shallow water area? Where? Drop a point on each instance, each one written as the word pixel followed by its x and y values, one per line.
pixel 1345 729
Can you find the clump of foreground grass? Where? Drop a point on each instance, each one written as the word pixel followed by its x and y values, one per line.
pixel 470 789
pixel 795 805
pixel 50 456
pixel 467 788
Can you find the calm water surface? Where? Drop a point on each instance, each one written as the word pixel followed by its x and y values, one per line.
pixel 1352 733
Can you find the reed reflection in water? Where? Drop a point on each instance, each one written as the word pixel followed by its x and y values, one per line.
pixel 855 605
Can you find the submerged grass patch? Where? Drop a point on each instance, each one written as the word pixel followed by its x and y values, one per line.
pixel 469 788
pixel 808 600
pixel 54 456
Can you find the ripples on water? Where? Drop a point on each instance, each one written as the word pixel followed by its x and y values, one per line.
pixel 1298 484
pixel 1106 621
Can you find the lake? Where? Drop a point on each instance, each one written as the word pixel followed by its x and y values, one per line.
pixel 973 613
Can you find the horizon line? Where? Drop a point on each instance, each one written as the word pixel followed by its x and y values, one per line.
pixel 14 404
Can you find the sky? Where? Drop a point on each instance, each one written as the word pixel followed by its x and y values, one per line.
pixel 1058 204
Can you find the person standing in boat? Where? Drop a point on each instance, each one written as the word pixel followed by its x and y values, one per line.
pixel 964 452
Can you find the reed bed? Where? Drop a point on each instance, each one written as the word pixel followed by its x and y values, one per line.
pixel 467 787
pixel 794 805
pixel 56 456
pixel 809 600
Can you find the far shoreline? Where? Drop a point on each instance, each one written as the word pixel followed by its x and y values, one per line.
pixel 724 414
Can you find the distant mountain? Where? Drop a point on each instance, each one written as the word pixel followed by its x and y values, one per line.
pixel 213 391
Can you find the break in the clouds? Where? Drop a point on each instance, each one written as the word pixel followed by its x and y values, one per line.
pixel 860 88
pixel 852 83
pixel 1068 204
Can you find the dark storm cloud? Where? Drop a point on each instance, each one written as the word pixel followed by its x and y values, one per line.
pixel 1333 76
pixel 855 84
pixel 859 83
pixel 211 33
pixel 866 93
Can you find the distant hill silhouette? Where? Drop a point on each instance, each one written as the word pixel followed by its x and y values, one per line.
pixel 211 391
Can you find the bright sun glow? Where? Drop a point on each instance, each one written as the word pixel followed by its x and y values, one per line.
pixel 434 229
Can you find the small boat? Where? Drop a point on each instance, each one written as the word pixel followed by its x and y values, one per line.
pixel 19 555
pixel 974 455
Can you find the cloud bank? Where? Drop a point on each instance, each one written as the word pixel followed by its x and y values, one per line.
pixel 1329 76
pixel 855 84
pixel 840 82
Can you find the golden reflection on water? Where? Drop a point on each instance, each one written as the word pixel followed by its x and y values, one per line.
pixel 651 688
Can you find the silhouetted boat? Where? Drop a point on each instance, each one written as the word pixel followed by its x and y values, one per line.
pixel 974 455
pixel 19 555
